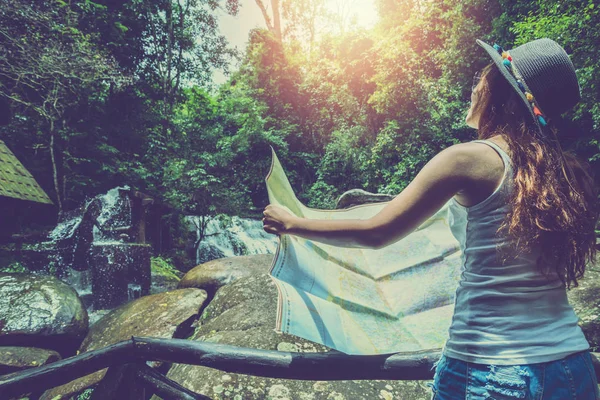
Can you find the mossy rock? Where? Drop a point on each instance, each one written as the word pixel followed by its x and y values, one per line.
pixel 56 318
pixel 243 314
pixel 160 315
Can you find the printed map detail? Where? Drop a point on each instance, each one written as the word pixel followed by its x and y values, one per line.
pixel 361 301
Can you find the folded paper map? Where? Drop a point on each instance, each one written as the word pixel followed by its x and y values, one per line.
pixel 363 301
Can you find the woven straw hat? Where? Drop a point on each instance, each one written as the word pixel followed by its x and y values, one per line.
pixel 542 74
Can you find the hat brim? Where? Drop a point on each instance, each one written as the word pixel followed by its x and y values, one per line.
pixel 498 60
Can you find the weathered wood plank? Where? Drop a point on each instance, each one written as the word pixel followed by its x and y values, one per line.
pixel 63 371
pixel 119 383
pixel 268 363
pixel 165 387
pixel 302 366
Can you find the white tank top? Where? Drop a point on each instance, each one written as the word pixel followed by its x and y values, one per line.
pixel 505 314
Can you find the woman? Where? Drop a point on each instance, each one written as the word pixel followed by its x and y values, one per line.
pixel 524 213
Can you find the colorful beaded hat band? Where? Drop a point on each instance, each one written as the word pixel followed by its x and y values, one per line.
pixel 542 67
pixel 507 61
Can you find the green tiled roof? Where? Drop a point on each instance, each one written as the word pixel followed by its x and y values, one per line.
pixel 16 181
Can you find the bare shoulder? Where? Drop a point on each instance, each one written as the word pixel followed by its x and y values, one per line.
pixel 477 154
pixel 477 164
pixel 482 168
pixel 463 155
pixel 474 149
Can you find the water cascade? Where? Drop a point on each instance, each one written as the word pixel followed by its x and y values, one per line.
pixel 90 249
pixel 228 237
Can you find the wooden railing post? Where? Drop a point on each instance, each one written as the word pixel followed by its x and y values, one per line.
pixel 165 387
pixel 266 363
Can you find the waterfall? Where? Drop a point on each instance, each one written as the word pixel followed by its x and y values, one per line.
pixel 115 213
pixel 231 236
pixel 65 228
pixel 97 222
pixel 134 291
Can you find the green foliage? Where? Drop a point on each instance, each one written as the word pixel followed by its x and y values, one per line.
pixel 225 221
pixel 322 195
pixel 164 266
pixel 85 395
pixel 352 109
pixel 14 267
pixel 121 27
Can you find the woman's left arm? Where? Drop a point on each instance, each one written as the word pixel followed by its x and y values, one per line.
pixel 441 178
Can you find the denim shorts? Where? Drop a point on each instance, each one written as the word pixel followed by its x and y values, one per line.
pixel 572 377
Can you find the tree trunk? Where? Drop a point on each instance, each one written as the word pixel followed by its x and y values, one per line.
pixel 167 78
pixel 265 14
pixel 201 234
pixel 64 168
pixel 276 19
pixel 174 87
pixel 275 26
pixel 55 168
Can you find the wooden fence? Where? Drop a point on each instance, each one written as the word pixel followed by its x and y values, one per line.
pixel 126 362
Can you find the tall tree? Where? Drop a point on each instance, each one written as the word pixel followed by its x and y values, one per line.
pixel 45 64
pixel 273 21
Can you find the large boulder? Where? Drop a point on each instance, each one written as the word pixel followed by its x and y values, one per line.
pixel 41 311
pixel 355 197
pixel 243 314
pixel 14 359
pixel 162 315
pixel 214 274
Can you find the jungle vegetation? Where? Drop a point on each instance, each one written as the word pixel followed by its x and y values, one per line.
pixel 106 93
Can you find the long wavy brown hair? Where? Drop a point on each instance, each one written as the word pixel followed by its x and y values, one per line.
pixel 554 203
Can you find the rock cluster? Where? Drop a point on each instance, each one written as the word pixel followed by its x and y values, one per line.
pixel 229 301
